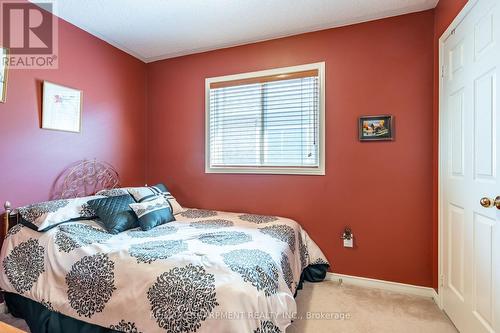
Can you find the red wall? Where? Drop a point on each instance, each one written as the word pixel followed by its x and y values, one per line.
pixel 382 190
pixel 113 127
pixel 444 13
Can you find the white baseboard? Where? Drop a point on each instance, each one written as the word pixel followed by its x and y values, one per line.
pixel 436 298
pixel 385 285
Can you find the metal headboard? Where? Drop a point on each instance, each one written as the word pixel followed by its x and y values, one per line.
pixel 86 178
pixel 81 179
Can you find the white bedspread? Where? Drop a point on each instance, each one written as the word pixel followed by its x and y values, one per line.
pixel 207 272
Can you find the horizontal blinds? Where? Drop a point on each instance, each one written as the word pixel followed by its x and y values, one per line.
pixel 270 121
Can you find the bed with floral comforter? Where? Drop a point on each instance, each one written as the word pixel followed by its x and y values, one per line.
pixel 208 271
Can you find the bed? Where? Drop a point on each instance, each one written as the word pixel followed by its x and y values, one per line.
pixel 208 271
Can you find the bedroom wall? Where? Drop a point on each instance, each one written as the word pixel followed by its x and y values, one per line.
pixel 113 126
pixel 384 191
pixel 444 13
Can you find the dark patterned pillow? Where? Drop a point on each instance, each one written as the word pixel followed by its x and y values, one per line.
pixel 115 213
pixel 45 215
pixel 153 213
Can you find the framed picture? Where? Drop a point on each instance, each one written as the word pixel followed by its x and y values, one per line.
pixel 376 128
pixel 61 108
pixel 4 54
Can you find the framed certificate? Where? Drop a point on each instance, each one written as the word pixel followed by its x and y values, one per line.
pixel 61 108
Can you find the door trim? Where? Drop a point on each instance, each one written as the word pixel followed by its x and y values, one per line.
pixel 460 17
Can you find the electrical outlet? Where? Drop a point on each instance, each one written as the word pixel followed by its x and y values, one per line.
pixel 349 242
pixel 348 237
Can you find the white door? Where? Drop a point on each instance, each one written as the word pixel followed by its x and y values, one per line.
pixel 470 170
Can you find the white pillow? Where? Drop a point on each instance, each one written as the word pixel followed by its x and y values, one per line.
pixel 45 215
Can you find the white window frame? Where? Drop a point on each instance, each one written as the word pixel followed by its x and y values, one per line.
pixel 319 170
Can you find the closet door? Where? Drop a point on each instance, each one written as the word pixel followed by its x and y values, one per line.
pixel 470 169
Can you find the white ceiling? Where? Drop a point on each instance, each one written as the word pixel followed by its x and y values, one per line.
pixel 158 29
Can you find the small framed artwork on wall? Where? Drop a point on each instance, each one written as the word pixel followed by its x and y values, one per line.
pixel 4 54
pixel 62 108
pixel 376 128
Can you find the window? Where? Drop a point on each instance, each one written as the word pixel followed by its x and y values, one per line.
pixel 266 122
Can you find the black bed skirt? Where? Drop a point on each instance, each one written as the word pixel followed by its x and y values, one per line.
pixel 42 320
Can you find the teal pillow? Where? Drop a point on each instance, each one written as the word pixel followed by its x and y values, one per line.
pixel 115 213
pixel 153 213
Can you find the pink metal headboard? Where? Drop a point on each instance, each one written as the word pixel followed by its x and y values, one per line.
pixel 82 179
pixel 86 178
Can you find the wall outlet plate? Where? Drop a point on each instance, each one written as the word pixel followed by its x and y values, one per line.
pixel 349 242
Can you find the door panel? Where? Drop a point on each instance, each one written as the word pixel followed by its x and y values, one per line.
pixel 456 56
pixel 483 277
pixel 485 126
pixel 457 133
pixel 484 34
pixel 456 242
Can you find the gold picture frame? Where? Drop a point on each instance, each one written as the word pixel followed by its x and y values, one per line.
pixel 61 108
pixel 4 73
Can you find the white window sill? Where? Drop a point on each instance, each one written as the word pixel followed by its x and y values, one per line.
pixel 267 171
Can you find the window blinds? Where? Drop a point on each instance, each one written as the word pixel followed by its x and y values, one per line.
pixel 269 121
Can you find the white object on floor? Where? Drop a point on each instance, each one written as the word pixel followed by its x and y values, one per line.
pixel 3 308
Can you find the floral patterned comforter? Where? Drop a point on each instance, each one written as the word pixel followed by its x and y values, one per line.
pixel 207 272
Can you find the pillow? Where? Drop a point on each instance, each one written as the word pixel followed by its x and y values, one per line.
pixel 115 213
pixel 153 213
pixel 146 193
pixel 45 215
pixel 112 192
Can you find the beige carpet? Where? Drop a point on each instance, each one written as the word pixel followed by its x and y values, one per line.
pixel 351 309
pixel 344 308
pixel 15 322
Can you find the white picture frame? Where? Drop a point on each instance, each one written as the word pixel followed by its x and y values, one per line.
pixel 61 108
pixel 4 57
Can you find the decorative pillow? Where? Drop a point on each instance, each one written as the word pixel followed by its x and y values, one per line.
pixel 145 193
pixel 45 215
pixel 153 213
pixel 148 193
pixel 115 213
pixel 112 192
